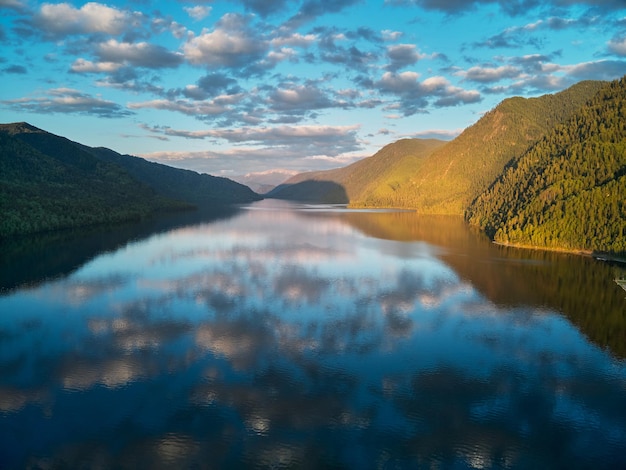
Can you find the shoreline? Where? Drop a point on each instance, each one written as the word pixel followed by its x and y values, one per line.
pixel 598 255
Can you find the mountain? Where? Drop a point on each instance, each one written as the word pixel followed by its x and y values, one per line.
pixel 569 190
pixel 263 182
pixel 185 185
pixel 361 182
pixel 48 182
pixel 444 179
pixel 454 175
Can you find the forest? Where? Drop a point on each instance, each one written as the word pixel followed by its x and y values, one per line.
pixel 48 182
pixel 569 190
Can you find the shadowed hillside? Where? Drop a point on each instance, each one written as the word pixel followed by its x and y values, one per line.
pixel 311 191
pixel 378 174
pixel 48 182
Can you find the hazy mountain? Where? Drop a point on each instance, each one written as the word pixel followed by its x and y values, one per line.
pixel 569 190
pixel 48 182
pixel 263 182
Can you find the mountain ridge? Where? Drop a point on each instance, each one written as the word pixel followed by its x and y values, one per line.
pixel 48 182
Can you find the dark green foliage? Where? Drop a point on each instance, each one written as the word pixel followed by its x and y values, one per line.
pixel 189 186
pixel 569 190
pixel 48 182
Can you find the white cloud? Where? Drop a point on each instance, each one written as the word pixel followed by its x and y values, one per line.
pixel 139 54
pixel 230 44
pixel 198 12
pixel 490 74
pixel 618 46
pixel 402 55
pixel 64 19
pixel 13 4
pixel 86 66
pixel 294 40
pixel 190 108
pixel 389 35
pixel 69 101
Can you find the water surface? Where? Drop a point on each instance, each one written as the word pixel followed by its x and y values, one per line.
pixel 310 336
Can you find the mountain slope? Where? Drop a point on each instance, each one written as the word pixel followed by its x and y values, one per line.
pixel 40 192
pixel 48 182
pixel 174 183
pixel 444 179
pixel 569 190
pixel 454 175
pixel 361 181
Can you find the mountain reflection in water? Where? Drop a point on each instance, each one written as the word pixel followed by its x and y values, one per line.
pixel 290 336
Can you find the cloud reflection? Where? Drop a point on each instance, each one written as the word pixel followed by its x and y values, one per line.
pixel 229 344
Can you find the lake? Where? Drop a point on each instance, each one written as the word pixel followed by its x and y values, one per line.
pixel 290 336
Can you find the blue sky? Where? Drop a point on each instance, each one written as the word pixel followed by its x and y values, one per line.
pixel 230 88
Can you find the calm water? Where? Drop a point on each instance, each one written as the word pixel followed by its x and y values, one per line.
pixel 308 337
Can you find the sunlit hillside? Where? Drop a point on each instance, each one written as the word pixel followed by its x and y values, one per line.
pixel 569 190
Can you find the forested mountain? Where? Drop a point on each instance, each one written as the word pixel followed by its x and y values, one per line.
pixel 569 190
pixel 454 175
pixel 48 182
pixel 431 177
pixel 374 177
pixel 189 186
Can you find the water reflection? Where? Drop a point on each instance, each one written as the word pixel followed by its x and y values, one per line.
pixel 294 338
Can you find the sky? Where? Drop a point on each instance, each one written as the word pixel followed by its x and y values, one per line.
pixel 251 86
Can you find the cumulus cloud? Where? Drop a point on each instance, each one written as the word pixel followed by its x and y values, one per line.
pixel 299 98
pixel 294 40
pixel 519 36
pixel 402 55
pixel 199 109
pixel 597 70
pixel 86 66
pixel 415 96
pixel 511 7
pixel 332 49
pixel 212 85
pixel 617 46
pixel 140 54
pixel 198 12
pixel 68 101
pixel 232 43
pixel 490 74
pixel 12 4
pixel 63 19
pixel 265 8
pixel 312 9
pixel 279 135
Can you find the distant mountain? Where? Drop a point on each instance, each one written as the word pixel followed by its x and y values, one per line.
pixel 569 190
pixel 263 182
pixel 48 182
pixel 360 183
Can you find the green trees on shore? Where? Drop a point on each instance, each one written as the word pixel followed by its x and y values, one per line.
pixel 569 190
